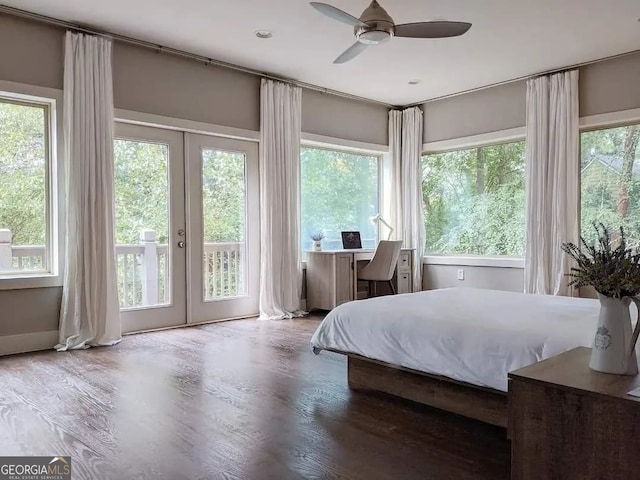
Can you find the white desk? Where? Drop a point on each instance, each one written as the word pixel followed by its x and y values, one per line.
pixel 332 276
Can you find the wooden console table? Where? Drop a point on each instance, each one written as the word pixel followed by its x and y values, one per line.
pixel 568 422
pixel 332 276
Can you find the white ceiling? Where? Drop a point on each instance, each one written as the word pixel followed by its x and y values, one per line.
pixel 509 38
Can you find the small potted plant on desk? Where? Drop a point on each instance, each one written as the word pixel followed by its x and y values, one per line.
pixel 317 241
pixel 614 272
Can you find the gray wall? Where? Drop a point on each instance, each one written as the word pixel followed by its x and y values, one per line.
pixel 29 310
pixel 338 117
pixel 30 53
pixel 610 86
pixel 496 278
pixel 483 111
pixel 173 86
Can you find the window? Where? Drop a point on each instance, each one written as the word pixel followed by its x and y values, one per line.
pixel 339 192
pixel 610 181
pixel 474 201
pixel 25 203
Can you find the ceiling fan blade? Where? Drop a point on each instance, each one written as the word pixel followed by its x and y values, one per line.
pixel 352 52
pixel 436 29
pixel 337 14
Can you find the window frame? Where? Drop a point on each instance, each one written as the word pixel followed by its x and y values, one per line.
pixel 489 139
pixel 51 99
pixel 381 152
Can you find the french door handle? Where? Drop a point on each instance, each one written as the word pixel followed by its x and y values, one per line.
pixel 181 244
pixel 181 233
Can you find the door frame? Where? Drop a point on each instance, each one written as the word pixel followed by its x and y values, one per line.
pixel 200 310
pixel 173 313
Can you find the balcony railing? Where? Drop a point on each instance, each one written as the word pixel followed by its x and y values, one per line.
pixel 28 257
pixel 223 272
pixel 143 272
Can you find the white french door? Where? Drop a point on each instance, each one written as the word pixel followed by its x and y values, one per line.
pixel 150 228
pixel 224 228
pixel 187 227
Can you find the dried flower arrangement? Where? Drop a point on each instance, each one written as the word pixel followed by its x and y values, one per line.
pixel 612 271
pixel 317 236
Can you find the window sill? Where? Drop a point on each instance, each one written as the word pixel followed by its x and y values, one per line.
pixel 36 280
pixel 474 261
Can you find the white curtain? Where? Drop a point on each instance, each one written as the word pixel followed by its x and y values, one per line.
pixel 405 145
pixel 552 181
pixel 281 265
pixel 90 313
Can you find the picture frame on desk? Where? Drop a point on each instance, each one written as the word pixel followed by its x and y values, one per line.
pixel 351 240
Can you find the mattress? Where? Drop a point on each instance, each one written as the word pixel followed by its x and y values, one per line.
pixel 471 335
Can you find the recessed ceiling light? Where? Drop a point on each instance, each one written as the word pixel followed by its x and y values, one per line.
pixel 415 81
pixel 263 34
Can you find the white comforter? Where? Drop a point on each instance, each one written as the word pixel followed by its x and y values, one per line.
pixel 472 335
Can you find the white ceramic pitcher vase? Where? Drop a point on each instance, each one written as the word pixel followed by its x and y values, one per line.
pixel 614 344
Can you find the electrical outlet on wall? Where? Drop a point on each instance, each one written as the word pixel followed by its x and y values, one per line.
pixel 461 274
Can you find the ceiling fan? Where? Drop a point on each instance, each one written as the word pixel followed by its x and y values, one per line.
pixel 375 26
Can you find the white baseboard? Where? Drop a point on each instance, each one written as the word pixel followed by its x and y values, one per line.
pixel 28 342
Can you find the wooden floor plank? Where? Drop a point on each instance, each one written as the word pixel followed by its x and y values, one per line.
pixel 236 400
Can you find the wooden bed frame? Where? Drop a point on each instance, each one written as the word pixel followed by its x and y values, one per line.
pixel 484 404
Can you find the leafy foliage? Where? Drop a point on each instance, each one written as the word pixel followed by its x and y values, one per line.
pixel 23 172
pixel 223 196
pixel 317 236
pixel 474 200
pixel 141 190
pixel 612 271
pixel 339 192
pixel 608 194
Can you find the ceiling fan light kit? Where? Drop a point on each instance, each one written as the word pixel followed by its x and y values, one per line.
pixel 375 26
pixel 378 25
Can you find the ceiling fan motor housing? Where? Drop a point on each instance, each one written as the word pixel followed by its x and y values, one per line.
pixel 380 26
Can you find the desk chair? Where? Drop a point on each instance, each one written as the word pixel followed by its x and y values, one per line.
pixel 382 265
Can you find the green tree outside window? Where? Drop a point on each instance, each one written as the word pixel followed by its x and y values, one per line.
pixel 474 201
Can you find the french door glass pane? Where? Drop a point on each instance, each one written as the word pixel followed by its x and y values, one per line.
pixel 224 221
pixel 142 222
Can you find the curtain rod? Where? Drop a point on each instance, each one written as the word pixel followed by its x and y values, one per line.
pixel 524 77
pixel 16 12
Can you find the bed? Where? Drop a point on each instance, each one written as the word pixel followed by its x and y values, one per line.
pixel 452 348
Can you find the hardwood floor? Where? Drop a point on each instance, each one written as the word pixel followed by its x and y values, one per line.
pixel 237 400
